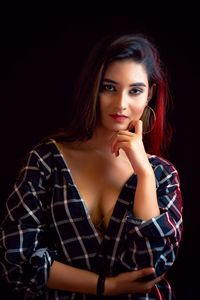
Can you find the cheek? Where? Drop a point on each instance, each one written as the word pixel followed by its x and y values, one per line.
pixel 103 104
pixel 137 110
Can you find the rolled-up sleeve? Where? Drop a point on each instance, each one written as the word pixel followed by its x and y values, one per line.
pixel 25 251
pixel 155 242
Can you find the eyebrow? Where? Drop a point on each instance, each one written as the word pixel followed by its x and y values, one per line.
pixel 132 84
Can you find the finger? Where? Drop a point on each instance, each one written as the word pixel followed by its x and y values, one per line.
pixel 130 126
pixel 145 272
pixel 138 127
pixel 120 143
pixel 117 153
pixel 146 278
pixel 112 141
pixel 116 149
pixel 124 132
pixel 158 279
pixel 113 137
pixel 124 145
pixel 118 139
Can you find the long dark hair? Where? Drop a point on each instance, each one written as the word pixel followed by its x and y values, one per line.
pixel 135 47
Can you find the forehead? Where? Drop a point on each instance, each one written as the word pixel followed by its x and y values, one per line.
pixel 126 70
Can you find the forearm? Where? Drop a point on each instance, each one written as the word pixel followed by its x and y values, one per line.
pixel 145 201
pixel 64 277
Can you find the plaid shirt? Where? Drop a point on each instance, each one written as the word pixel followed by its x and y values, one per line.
pixel 47 219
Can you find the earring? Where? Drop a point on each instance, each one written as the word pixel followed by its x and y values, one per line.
pixel 149 119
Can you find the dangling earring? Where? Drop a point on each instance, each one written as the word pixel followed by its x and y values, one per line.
pixel 149 119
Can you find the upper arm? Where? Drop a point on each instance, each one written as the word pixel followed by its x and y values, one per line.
pixel 26 258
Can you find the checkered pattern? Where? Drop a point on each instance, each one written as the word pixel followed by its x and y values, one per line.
pixel 47 219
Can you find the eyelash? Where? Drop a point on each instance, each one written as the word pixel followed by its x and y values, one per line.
pixel 106 89
pixel 134 91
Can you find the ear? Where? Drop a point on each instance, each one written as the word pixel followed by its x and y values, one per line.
pixel 151 92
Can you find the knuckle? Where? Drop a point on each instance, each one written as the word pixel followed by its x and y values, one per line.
pixel 148 291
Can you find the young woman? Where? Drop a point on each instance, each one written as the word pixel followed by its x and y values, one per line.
pixel 96 211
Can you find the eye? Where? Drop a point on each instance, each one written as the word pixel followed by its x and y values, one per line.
pixel 136 91
pixel 108 87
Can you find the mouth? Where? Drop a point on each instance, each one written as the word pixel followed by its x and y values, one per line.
pixel 118 117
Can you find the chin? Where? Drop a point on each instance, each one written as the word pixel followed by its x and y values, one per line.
pixel 114 127
pixel 119 127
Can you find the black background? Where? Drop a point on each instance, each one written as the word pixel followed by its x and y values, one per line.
pixel 42 48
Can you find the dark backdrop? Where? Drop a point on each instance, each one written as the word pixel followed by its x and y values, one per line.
pixel 41 52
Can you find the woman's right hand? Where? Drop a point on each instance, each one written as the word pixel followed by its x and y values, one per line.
pixel 130 282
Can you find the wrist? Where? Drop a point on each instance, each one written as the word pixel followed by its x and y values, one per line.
pixel 100 286
pixel 146 172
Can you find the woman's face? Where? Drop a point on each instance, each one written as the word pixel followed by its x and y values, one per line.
pixel 123 96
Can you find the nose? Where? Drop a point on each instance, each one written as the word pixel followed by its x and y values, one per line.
pixel 121 101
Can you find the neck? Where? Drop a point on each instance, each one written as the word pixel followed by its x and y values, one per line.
pixel 101 139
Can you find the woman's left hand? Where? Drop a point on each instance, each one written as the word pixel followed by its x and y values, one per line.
pixel 132 144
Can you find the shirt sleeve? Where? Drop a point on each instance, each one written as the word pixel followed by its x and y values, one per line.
pixel 25 250
pixel 155 242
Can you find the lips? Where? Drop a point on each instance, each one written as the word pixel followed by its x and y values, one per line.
pixel 118 117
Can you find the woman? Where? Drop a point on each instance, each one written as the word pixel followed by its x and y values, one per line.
pixel 96 211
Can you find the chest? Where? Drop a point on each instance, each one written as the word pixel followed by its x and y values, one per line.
pixel 99 181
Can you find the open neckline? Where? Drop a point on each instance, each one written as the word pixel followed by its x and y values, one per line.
pixel 126 183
